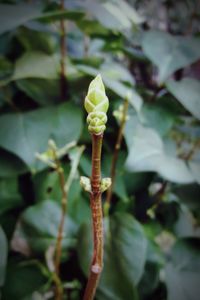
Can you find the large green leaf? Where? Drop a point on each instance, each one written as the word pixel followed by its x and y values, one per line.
pixel 37 64
pixel 33 40
pixel 22 280
pixel 182 270
pixel 40 226
pixel 147 153
pixel 14 15
pixel 43 91
pixel 170 53
pixel 9 194
pixel 115 14
pixel 187 93
pixel 114 77
pixel 3 256
pixel 195 169
pixel 157 117
pixel 189 195
pixel 124 256
pixel 10 165
pixel 6 68
pixel 24 134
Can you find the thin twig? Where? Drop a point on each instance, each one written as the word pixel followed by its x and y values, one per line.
pixel 58 250
pixel 63 50
pixel 115 155
pixel 97 218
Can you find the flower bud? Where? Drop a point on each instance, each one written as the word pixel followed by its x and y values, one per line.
pixel 96 104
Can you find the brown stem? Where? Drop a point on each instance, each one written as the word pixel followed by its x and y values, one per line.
pixel 58 250
pixel 115 155
pixel 63 50
pixel 97 218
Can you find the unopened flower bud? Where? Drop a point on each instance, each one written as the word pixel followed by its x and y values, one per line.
pixel 96 104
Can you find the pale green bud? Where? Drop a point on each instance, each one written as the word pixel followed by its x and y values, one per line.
pixel 85 183
pixel 96 104
pixel 105 184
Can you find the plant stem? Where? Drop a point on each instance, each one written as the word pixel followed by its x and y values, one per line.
pixel 97 218
pixel 58 249
pixel 115 155
pixel 63 81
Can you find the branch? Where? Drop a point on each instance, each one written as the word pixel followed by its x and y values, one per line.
pixel 58 250
pixel 63 50
pixel 115 156
pixel 96 104
pixel 97 218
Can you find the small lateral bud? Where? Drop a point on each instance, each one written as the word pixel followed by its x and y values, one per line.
pixel 105 184
pixel 85 183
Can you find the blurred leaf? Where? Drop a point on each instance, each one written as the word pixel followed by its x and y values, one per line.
pixel 149 280
pixel 3 256
pixel 40 225
pixel 33 40
pixel 186 225
pixel 124 259
pixel 147 153
pixel 22 280
pixel 115 15
pixel 112 80
pixel 187 93
pixel 170 53
pixel 182 270
pixel 10 165
pixel 9 194
pixel 189 194
pixel 195 169
pixel 36 65
pixel 28 133
pixel 14 15
pixel 157 117
pixel 43 91
pixel 6 68
pixel 52 16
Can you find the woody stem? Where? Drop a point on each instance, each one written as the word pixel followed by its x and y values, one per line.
pixel 97 218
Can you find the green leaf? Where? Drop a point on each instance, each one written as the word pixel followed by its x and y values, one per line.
pixel 40 226
pixel 189 195
pixel 9 194
pixel 22 280
pixel 43 91
pixel 170 53
pixel 157 117
pixel 6 68
pixel 52 16
pixel 10 165
pixel 33 40
pixel 147 153
pixel 28 133
pixel 36 65
pixel 114 80
pixel 195 169
pixel 3 256
pixel 14 15
pixel 187 93
pixel 115 15
pixel 182 270
pixel 186 224
pixel 124 256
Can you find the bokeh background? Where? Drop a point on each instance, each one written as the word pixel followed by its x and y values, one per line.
pixel 148 52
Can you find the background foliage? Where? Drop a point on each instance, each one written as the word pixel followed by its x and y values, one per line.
pixel 149 49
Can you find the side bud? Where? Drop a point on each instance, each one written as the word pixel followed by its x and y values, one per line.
pixel 96 104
